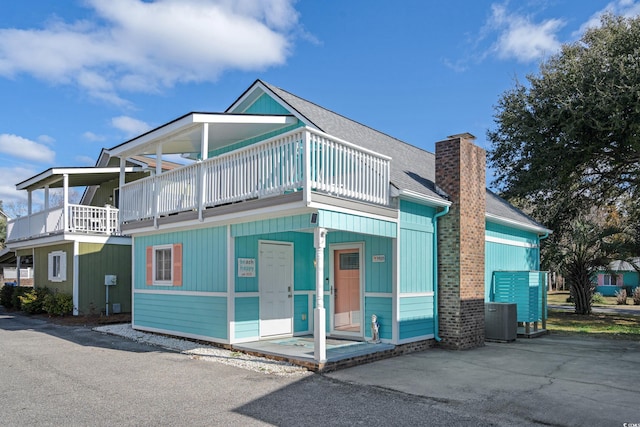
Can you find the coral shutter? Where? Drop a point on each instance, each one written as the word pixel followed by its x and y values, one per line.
pixel 177 264
pixel 620 280
pixel 600 279
pixel 149 265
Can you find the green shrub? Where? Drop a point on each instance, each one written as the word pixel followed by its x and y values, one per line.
pixel 58 304
pixel 18 291
pixel 636 296
pixel 32 300
pixel 621 297
pixel 6 295
pixel 597 298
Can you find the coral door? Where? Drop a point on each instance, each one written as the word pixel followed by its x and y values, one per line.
pixel 347 314
pixel 275 267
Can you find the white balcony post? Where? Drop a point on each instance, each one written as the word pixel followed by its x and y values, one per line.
pixel 306 189
pixel 319 314
pixel 46 205
pixel 29 211
pixel 204 155
pixel 65 202
pixel 156 185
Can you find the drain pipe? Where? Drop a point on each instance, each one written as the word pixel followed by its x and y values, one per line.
pixel 435 271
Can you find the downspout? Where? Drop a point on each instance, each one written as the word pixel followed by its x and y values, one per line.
pixel 435 271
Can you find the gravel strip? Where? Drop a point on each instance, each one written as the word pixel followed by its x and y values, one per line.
pixel 205 352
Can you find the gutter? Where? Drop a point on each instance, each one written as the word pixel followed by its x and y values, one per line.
pixel 435 271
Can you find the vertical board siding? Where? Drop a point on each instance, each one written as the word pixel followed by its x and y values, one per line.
pixel 356 224
pixel 273 225
pixel 416 256
pixel 300 309
pixel 499 257
pixel 204 254
pixel 95 261
pixel 303 256
pixel 522 288
pixel 416 317
pixel 378 275
pixel 510 233
pixel 382 308
pixel 41 268
pixel 247 321
pixel 197 315
pixel 264 104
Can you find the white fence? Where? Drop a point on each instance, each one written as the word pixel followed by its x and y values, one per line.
pixel 81 219
pixel 272 167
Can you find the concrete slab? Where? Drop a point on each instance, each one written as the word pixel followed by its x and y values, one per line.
pixel 553 380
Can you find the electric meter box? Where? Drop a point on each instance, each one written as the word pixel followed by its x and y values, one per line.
pixel 110 279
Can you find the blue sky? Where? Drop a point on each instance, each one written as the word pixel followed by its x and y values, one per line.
pixel 80 75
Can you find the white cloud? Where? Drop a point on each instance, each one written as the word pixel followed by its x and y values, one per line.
pixel 85 160
pixel 46 139
pixel 142 46
pixel 23 148
pixel 8 193
pixel 129 125
pixel 90 136
pixel 626 8
pixel 522 39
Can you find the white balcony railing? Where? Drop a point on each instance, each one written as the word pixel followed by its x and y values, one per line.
pixel 272 167
pixel 81 219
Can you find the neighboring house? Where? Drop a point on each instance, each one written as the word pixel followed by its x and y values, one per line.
pixel 295 220
pixel 619 275
pixel 74 246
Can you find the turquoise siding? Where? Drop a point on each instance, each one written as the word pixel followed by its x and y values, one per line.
pixel 416 316
pixel 416 247
pixel 274 225
pixel 204 254
pixel 356 224
pixel 378 275
pixel 382 308
pixel 629 278
pixel 196 315
pixel 247 321
pixel 505 257
pixel 266 105
pixel 303 256
pixel 300 310
pixel 525 288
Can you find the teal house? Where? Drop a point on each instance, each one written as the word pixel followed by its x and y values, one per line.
pixel 619 275
pixel 289 219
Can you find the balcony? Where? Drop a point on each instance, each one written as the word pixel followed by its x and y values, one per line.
pixel 79 219
pixel 299 160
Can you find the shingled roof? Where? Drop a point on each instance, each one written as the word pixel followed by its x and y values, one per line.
pixel 412 168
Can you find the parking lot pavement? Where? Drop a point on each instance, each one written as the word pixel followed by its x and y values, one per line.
pixel 551 380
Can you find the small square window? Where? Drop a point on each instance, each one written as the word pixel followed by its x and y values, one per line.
pixel 350 261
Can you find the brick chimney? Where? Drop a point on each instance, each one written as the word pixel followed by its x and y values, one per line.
pixel 460 172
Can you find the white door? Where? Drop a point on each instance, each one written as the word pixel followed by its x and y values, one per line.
pixel 275 267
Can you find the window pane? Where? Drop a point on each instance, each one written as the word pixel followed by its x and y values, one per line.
pixel 56 266
pixel 350 261
pixel 163 264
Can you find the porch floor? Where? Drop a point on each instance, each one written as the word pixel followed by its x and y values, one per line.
pixel 299 350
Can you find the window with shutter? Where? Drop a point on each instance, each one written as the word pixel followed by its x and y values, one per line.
pixel 164 265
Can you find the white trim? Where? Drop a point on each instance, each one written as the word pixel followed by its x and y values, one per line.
pixel 179 334
pixel 75 281
pixel 133 278
pixel 502 241
pixel 516 224
pixel 244 340
pixel 293 276
pixel 395 302
pixel 419 197
pixel 186 293
pixel 58 172
pixel 415 339
pixel 57 239
pixel 331 312
pixel 324 206
pixel 62 267
pixel 154 249
pixel 247 294
pixel 417 294
pixel 379 294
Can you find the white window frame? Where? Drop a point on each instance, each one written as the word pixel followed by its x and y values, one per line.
pixel 154 252
pixel 61 275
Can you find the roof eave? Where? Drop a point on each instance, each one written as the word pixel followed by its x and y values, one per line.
pixel 517 224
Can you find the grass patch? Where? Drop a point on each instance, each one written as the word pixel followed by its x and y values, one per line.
pixel 601 325
pixel 560 298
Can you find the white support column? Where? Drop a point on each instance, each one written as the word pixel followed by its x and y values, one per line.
pixel 159 159
pixel 18 262
pixel 204 155
pixel 156 189
pixel 46 198
pixel 30 210
pixel 65 202
pixel 75 283
pixel 121 182
pixel 319 314
pixel 306 190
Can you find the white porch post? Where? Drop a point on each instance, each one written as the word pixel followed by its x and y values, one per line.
pixel 306 190
pixel 65 202
pixel 18 262
pixel 319 314
pixel 204 155
pixel 30 210
pixel 121 182
pixel 156 188
pixel 46 205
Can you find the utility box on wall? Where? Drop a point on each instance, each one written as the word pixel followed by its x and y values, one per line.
pixel 500 321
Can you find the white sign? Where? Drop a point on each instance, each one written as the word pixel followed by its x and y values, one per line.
pixel 246 267
pixel 378 258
